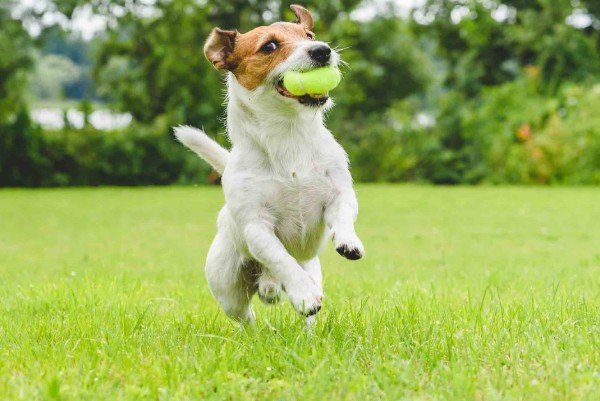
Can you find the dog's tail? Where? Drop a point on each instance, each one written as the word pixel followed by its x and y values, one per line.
pixel 203 145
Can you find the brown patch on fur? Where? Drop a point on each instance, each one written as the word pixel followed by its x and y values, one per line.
pixel 241 53
pixel 254 65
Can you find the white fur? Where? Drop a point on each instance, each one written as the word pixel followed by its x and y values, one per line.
pixel 287 189
pixel 204 147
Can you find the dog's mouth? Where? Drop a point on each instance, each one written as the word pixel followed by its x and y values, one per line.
pixel 309 100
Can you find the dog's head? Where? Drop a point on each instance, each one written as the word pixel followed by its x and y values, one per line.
pixel 259 58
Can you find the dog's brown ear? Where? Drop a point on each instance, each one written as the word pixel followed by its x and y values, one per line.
pixel 303 16
pixel 218 48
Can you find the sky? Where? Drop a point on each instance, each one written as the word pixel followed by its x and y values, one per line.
pixel 87 24
pixel 84 21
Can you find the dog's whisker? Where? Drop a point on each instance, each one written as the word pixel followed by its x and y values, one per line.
pixel 345 65
pixel 341 49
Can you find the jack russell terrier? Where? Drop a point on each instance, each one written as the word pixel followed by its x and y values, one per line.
pixel 286 180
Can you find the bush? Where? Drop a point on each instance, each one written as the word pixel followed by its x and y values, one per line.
pixel 510 134
pixel 525 138
pixel 389 148
pixel 138 155
pixel 21 152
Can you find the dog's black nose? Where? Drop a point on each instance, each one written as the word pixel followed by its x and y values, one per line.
pixel 320 53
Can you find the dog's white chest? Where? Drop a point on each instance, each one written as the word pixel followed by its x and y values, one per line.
pixel 280 173
pixel 301 197
pixel 305 194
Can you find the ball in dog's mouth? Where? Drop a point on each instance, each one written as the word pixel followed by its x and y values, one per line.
pixel 309 100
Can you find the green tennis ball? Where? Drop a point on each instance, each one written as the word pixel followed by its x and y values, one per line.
pixel 318 81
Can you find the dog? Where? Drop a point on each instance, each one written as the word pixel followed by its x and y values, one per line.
pixel 286 180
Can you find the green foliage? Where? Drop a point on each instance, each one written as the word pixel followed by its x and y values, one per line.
pixel 510 134
pixel 483 51
pixel 155 66
pixel 139 155
pixel 22 161
pixel 392 147
pixel 152 70
pixel 19 140
pixel 380 72
pixel 535 139
pixel 15 60
pixel 500 77
pixel 510 86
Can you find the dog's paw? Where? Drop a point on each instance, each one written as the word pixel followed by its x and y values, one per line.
pixel 269 290
pixel 349 252
pixel 350 248
pixel 306 297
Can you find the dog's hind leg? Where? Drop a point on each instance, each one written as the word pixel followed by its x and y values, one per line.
pixel 231 279
pixel 269 288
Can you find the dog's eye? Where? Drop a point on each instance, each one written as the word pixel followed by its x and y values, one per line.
pixel 310 35
pixel 269 47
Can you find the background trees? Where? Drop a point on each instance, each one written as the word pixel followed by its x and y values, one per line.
pixel 465 91
pixel 19 141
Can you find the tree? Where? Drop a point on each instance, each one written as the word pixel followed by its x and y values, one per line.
pixel 19 140
pixel 484 51
pixel 385 64
pixel 15 60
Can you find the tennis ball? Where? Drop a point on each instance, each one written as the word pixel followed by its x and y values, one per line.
pixel 318 81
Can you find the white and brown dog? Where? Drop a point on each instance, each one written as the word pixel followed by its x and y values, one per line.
pixel 286 180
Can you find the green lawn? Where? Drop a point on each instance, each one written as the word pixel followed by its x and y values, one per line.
pixel 464 294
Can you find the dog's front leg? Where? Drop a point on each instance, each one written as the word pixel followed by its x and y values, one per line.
pixel 305 295
pixel 340 216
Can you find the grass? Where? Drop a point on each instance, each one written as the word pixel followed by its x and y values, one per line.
pixel 465 294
